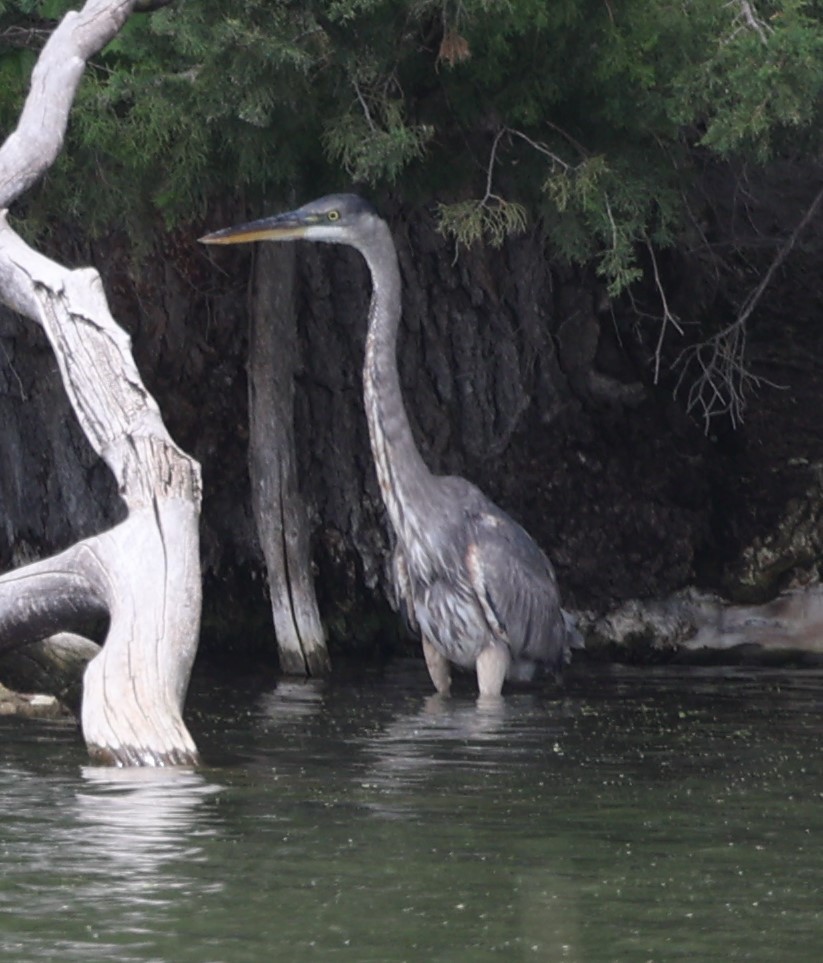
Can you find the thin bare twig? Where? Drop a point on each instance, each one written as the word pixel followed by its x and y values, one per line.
pixel 31 38
pixel 364 105
pixel 780 257
pixel 489 195
pixel 751 20
pixel 668 318
pixel 23 395
pixel 540 147
pixel 724 379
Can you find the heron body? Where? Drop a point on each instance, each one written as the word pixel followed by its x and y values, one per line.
pixel 475 585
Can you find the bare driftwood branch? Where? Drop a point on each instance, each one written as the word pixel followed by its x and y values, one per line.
pixel 144 574
pixel 32 148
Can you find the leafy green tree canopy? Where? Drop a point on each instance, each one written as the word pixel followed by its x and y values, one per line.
pixel 588 115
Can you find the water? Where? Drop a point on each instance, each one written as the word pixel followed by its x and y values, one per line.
pixel 638 816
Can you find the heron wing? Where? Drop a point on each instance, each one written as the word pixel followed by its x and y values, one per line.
pixel 516 587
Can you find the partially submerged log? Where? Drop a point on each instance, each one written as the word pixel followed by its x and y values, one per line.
pixel 144 574
pixel 30 705
pixel 700 622
pixel 54 666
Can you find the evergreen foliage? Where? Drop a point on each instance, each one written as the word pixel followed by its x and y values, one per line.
pixel 588 115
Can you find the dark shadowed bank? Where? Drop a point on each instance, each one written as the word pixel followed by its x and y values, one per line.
pixel 518 373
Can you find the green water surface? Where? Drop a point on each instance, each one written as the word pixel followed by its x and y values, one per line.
pixel 638 815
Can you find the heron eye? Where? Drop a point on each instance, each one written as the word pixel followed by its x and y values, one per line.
pixel 333 215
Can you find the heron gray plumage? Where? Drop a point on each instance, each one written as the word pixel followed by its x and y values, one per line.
pixel 476 586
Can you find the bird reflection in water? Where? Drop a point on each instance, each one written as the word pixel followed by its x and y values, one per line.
pixel 414 745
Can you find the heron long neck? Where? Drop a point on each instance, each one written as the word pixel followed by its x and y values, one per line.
pixel 403 476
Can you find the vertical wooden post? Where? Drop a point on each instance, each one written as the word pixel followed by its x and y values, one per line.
pixel 280 514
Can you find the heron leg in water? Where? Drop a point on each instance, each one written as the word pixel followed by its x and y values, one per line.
pixel 492 666
pixel 438 666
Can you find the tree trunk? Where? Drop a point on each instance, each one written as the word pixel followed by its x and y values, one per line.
pixel 280 516
pixel 145 572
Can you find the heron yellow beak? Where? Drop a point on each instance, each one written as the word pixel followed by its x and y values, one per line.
pixel 282 227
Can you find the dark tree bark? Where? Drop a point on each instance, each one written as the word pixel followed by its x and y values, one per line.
pixel 518 374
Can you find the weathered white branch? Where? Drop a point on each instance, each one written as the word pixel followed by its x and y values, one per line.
pixel 33 147
pixel 145 572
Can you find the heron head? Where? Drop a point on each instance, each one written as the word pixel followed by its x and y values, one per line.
pixel 335 219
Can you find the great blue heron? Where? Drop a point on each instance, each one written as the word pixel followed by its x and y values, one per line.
pixel 472 581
